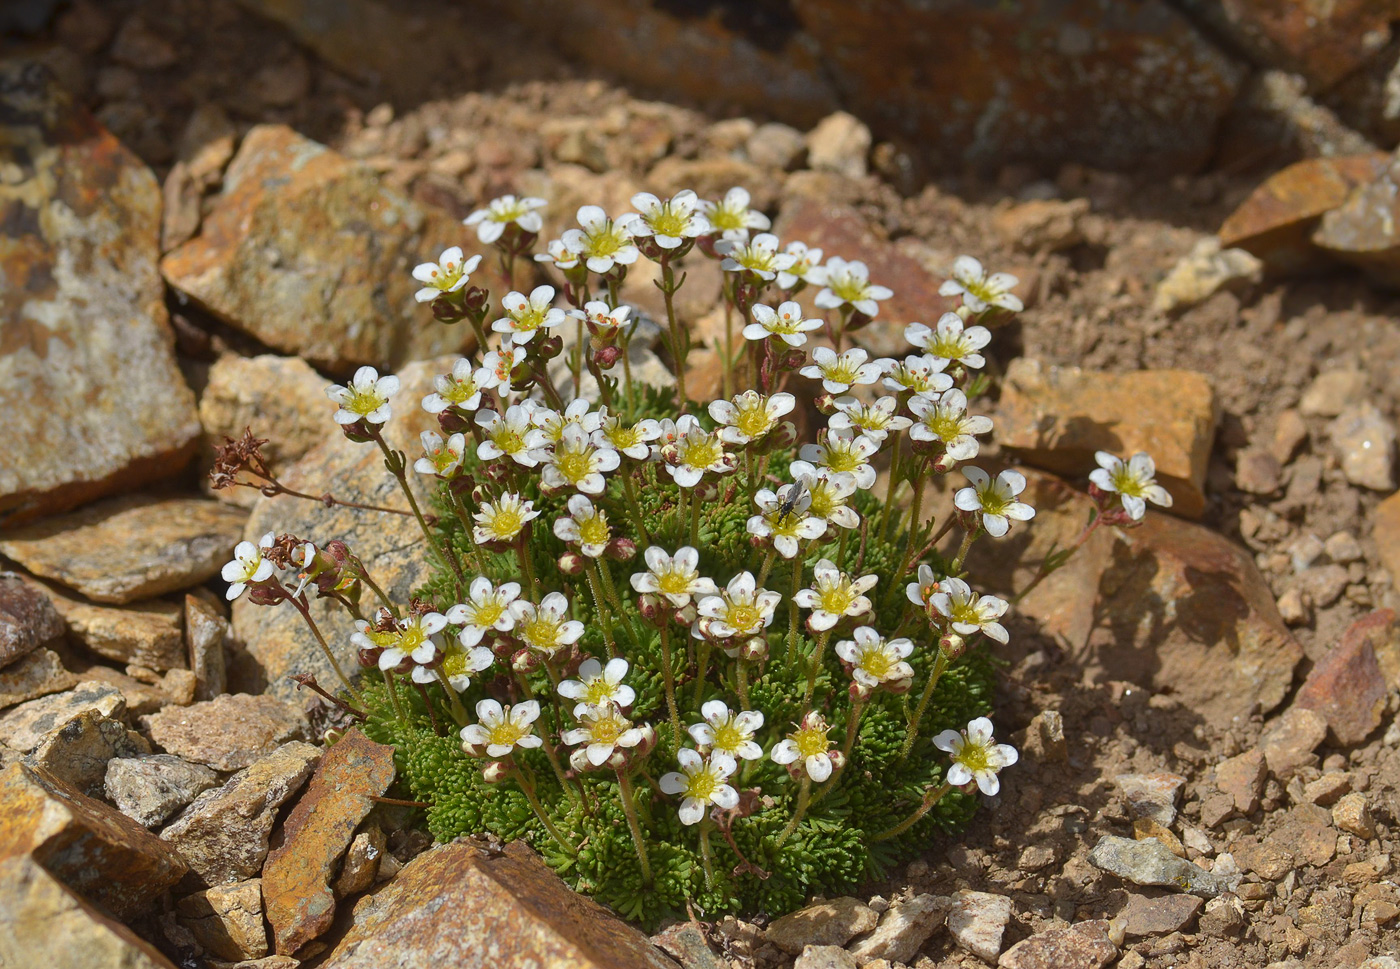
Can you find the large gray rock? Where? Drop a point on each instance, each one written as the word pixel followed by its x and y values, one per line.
pixel 1150 862
pixel 150 788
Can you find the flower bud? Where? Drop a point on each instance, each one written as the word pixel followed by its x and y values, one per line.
pixel 859 691
pixel 524 661
pixel 618 760
pixel 648 742
pixel 578 759
pixel 944 463
pixel 670 453
pixel 952 645
pixel 651 607
pixel 446 310
pixel 621 549
pixel 369 657
pixel 706 491
pixel 475 298
pixel 838 760
pixel 452 422
pixel 826 405
pixel 571 563
pixel 606 357
pixel 266 595
pixel 358 432
pixel 473 750
pixel 792 360
pixel 898 687
pixel 685 615
pixel 551 347
pixel 755 649
pixel 812 720
pixel 782 437
pixel 495 772
pixel 964 312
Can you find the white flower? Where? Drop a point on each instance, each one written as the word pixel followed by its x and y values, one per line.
pixel 552 423
pixel 980 291
pixel 511 435
pixel 447 275
pixel 921 593
pixel 576 462
pixel 602 731
pixel 491 222
pixel 496 367
pixel 677 577
pixel 843 451
pixel 442 458
pixel 602 242
pixel 806 267
pixel 946 420
pixel 849 282
pixel 975 756
pixel 809 745
pixel 458 665
pixel 968 611
pixel 1132 479
pixel 727 732
pixel 545 628
pixel 365 398
pixel 875 662
pixel 922 374
pixel 839 374
pixel 557 253
pixel 632 440
pixel 876 421
pixel 248 566
pixel 951 340
pixel 751 415
pixel 460 389
pixel 995 498
pixel 759 256
pixel 525 316
pixel 741 610
pixel 487 608
pixel 669 223
pixel 603 318
pixel 502 729
pixel 586 526
pixel 785 518
pixel 598 685
pixel 785 323
pixel 415 640
pixel 830 490
pixel 700 783
pixel 503 520
pixel 834 594
pixel 694 452
pixel 732 217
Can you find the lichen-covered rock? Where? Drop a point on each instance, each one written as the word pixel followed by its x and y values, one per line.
pixel 151 787
pixel 27 725
pixel 206 632
pixel 229 732
pixel 38 674
pixel 145 633
pixel 1150 862
pixel 78 752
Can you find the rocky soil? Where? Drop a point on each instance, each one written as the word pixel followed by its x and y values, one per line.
pixel 207 214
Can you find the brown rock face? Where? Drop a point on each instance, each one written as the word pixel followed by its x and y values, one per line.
pixel 492 910
pixel 1057 417
pixel 1386 532
pixel 27 619
pixel 228 920
pixel 94 402
pixel 144 633
pixel 39 673
pixel 310 254
pixel 228 732
pixel 1347 685
pixel 94 849
pixel 1362 230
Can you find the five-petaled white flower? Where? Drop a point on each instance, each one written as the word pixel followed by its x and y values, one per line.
pixel 728 732
pixel 502 729
pixel 830 491
pixel 921 592
pixel 670 223
pixel 602 242
pixel 876 662
pixel 677 577
pixel 552 422
pixel 602 730
pixel 969 611
pixel 633 440
pixel 849 283
pixel 995 498
pixel 496 366
pixel 923 374
pixel 807 749
pixel 951 339
pixel 946 420
pixel 1133 480
pixel 694 452
pixel 700 782
pixel 750 416
pixel 976 756
pixel 415 640
pixel 841 450
pixel 806 267
pixel 511 435
pixel 598 685
pixel 785 519
pixel 460 389
pixel 585 526
pixel 840 372
pixel 786 323
pixel 487 608
pixel 732 217
pixel 248 566
pixel 365 398
pixel 740 611
pixel 447 275
pixel 758 255
pixel 545 628
pixel 502 520
pixel 442 458
pixel 834 594
pixel 458 665
pixel 980 291
pixel 491 222
pixel 577 462
pixel 876 421
pixel 601 318
pixel 558 254
pixel 527 315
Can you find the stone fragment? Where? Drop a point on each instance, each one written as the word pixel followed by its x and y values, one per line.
pixel 1242 777
pixel 775 145
pixel 832 922
pixel 1364 440
pixel 297 876
pixel 82 310
pixel 309 253
pixel 1144 916
pixel 1353 816
pixel 1333 391
pixel 1085 945
pixel 904 928
pixel 227 920
pixel 1385 531
pixel 1045 738
pixel 1327 789
pixel 1036 857
pixel 687 943
pixel 1257 472
pixel 361 864
pixel 1348 689
pixel 477 895
pixel 151 787
pixel 38 674
pixel 977 922
pixel 129 548
pixel 827 957
pixel 1382 631
pixel 1307 831
pixel 206 630
pixel 78 752
pixel 96 851
pixel 1222 917
pixel 1204 271
pixel 1288 742
pixel 141 698
pixel 1321 585
pixel 1042 225
pixel 28 619
pixel 1144 828
pixel 42 923
pixel 1363 231
pixel 146 633
pixel 1343 548
pixel 1152 863
pixel 1151 795
pixel 1268 859
pixel 1290 434
pixel 1055 418
pixel 224 833
pixel 229 732
pixel 27 725
pixel 839 143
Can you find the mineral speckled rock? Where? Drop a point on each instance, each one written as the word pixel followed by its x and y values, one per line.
pixel 28 619
pixel 1348 688
pixel 1151 863
pixel 229 732
pixel 206 632
pixel 78 752
pixel 1087 945
pixel 904 927
pixel 82 311
pixel 1144 916
pixel 38 674
pixel 832 922
pixel 146 633
pixel 977 922
pixel 1363 230
pixel 27 725
pixel 227 920
pixel 151 787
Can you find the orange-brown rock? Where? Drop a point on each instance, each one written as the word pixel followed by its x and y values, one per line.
pixel 229 732
pixel 1346 685
pixel 1057 417
pixel 28 619
pixel 1363 229
pixel 1386 532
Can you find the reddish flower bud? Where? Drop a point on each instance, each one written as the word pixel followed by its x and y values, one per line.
pixel 952 645
pixel 472 750
pixel 452 423
pixel 706 491
pixel 838 760
pixel 524 661
pixel 369 658
pixel 495 772
pixel 686 615
pixel 944 463
pixel 551 347
pixel 571 563
pixel 652 608
pixel 606 357
pixel 755 649
pixel 826 405
pixel 621 549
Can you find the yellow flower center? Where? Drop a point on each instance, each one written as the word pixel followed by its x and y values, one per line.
pixel 838 598
pixel 728 737
pixel 460 390
pixel 702 785
pixel 974 757
pixel 506 522
pixel 669 223
pixel 753 420
pixel 876 662
pixel 606 242
pixel 966 612
pixel 607 730
pixel 992 502
pixel 624 437
pixel 598 691
pixel 541 632
pixel 382 640
pixel 849 288
pixel 574 465
pixel 843 459
pixel 507 439
pixel 949 346
pixel 506 734
pixel 841 371
pixel 594 531
pixel 673 582
pixel 444 457
pixel 411 638
pixel 824 501
pixel 364 402
pixel 1126 484
pixel 699 453
pixel 810 741
pixel 743 617
pixel 454 663
pixel 487 613
pixel 945 426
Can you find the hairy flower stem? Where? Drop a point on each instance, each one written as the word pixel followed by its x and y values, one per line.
pixel 804 794
pixel 889 511
pixel 527 568
pixel 395 463
pixel 272 487
pixel 912 733
pixel 576 364
pixel 931 797
pixel 394 697
pixel 605 618
pixel 299 603
pixel 727 375
pixel 527 786
pixel 464 516
pixel 668 675
pixel 844 317
pixel 695 521
pixel 550 752
pixel 963 549
pixel 635 508
pixel 792 609
pixel 852 728
pixel 705 857
pixel 767 566
pixel 741 682
pixel 702 664
pixel 679 339
pixel 629 808
pixel 814 666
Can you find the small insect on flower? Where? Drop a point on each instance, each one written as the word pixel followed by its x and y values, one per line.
pixel 785 529
pixel 700 782
pixel 461 389
pixel 807 749
pixel 586 527
pixel 786 323
pixel 839 373
pixel 502 729
pixel 875 662
pixel 799 491
pixel 545 628
pixel 728 732
pixel 848 283
pixel 602 242
pixel 831 491
pixel 968 611
pixel 670 224
pixel 946 421
pixel 806 267
pixel 503 520
pixel 1133 480
pixel 441 458
pixel 976 757
pixel 602 730
pixel 366 398
pixel 248 567
pixel 951 340
pixel 527 315
pixel 677 577
pixel 834 595
pixel 980 291
pixel 995 498
pixel 447 275
pixel 759 256
pixel 598 685
pixel 732 216
pixel 492 221
pixel 487 608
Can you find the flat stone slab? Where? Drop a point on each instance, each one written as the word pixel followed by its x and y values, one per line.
pixel 27 725
pixel 229 732
pixel 28 619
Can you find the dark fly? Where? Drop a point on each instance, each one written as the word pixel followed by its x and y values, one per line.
pixel 789 504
